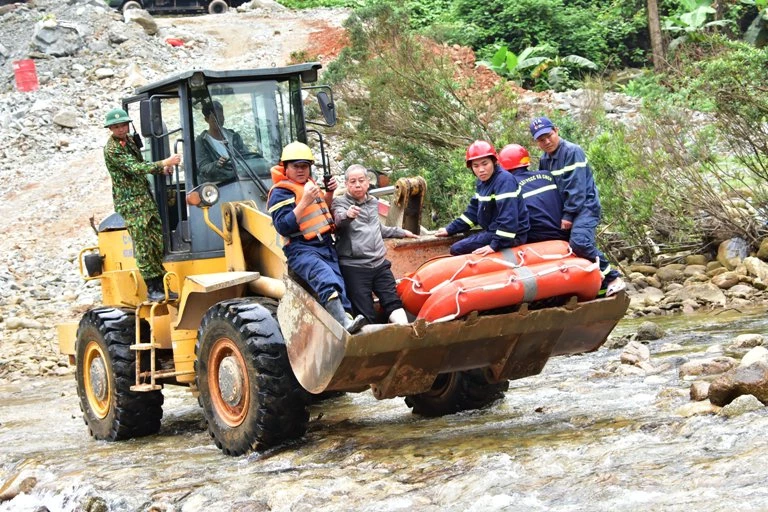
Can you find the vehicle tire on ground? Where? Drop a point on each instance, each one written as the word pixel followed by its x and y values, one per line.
pixel 218 7
pixel 105 370
pixel 131 4
pixel 455 392
pixel 249 394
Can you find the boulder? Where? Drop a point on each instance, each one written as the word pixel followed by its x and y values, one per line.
pixel 726 279
pixel 742 380
pixel 646 270
pixel 670 273
pixel 755 355
pixel 66 118
pixel 699 390
pixel 757 267
pixel 649 331
pixel 692 270
pixel 708 366
pixel 741 405
pixel 696 259
pixel 635 353
pixel 56 39
pixel 712 265
pixel 732 252
pixel 706 293
pixel 142 18
pixel 762 252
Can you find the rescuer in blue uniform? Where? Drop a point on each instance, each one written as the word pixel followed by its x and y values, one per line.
pixel 301 215
pixel 545 207
pixel 497 207
pixel 581 204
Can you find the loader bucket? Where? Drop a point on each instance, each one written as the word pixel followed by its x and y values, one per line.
pixel 401 360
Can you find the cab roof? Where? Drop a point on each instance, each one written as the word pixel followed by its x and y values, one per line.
pixel 308 72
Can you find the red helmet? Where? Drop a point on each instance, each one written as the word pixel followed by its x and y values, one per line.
pixel 514 156
pixel 480 149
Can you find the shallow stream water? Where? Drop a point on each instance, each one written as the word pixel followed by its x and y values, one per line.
pixel 576 437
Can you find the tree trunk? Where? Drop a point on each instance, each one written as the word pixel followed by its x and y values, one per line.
pixel 654 27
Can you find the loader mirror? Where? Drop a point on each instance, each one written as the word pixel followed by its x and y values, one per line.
pixel 327 107
pixel 156 116
pixel 145 118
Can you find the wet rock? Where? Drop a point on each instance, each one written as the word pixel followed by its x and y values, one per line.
pixel 732 252
pixel 741 405
pixel 93 504
pixel 746 341
pixel 714 349
pixel 649 331
pixel 708 366
pixel 757 354
pixel 699 391
pixel 743 380
pixel 617 341
pixel 21 482
pixel 726 279
pixel 635 353
pixel 697 409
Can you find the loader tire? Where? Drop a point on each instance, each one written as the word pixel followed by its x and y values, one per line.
pixel 105 370
pixel 455 392
pixel 250 397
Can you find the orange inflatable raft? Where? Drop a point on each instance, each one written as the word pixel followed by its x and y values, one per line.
pixel 416 288
pixel 570 276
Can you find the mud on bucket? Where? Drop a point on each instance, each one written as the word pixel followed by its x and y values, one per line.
pixel 26 75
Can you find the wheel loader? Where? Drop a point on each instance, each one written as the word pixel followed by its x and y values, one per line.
pixel 246 337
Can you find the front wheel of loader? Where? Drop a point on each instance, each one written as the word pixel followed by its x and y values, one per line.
pixel 455 392
pixel 105 371
pixel 249 394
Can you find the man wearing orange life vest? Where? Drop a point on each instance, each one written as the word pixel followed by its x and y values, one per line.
pixel 301 215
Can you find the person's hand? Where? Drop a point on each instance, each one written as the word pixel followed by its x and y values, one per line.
pixel 408 234
pixel 566 224
pixel 441 232
pixel 311 192
pixel 332 184
pixel 486 249
pixel 353 211
pixel 222 161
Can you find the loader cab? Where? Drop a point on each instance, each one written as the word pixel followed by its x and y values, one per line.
pixel 230 127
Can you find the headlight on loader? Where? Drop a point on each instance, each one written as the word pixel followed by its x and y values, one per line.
pixel 204 195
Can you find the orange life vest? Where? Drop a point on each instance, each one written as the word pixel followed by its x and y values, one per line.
pixel 315 220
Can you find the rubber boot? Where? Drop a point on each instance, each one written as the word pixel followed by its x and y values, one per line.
pixel 398 316
pixel 155 291
pixel 336 310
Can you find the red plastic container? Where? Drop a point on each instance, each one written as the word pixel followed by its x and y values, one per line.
pixel 26 75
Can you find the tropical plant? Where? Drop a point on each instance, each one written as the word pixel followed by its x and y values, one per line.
pixel 537 66
pixel 693 22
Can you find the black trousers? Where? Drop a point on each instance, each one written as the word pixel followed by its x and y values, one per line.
pixel 360 282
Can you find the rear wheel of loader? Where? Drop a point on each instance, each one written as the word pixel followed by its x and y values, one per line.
pixel 105 371
pixel 249 394
pixel 457 391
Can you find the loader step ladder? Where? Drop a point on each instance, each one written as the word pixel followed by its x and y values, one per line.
pixel 149 310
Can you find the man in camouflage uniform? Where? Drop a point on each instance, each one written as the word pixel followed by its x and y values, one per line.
pixel 134 202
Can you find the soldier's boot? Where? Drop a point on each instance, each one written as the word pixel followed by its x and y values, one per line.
pixel 156 291
pixel 336 310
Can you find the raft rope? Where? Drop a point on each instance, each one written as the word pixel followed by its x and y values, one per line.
pixel 514 278
pixel 415 283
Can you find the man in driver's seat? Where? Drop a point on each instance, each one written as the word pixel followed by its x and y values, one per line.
pixel 214 162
